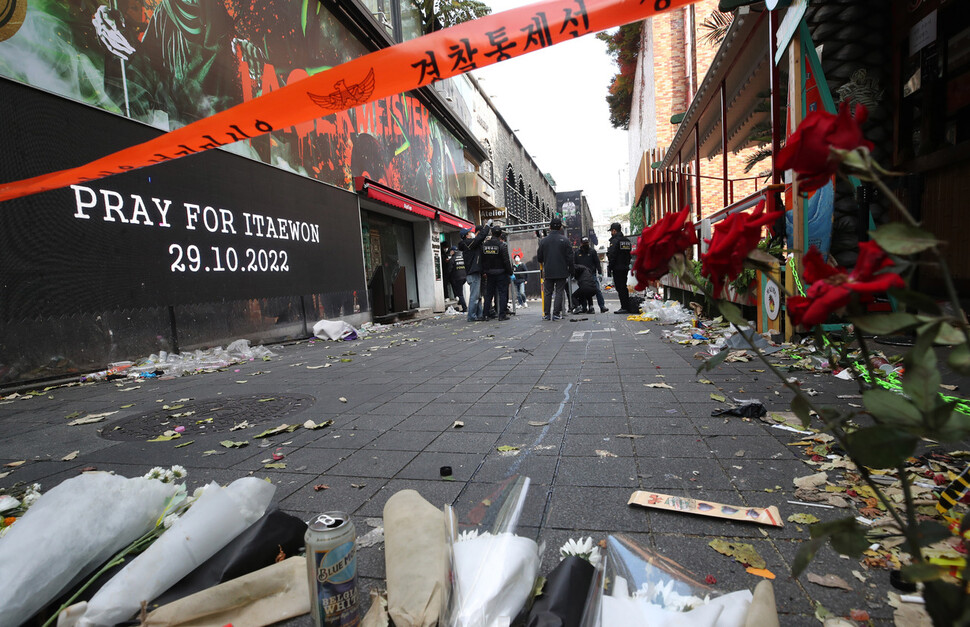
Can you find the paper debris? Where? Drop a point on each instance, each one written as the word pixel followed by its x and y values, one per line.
pixel 760 572
pixel 458 424
pixel 603 453
pixel 659 385
pixel 309 424
pixel 70 456
pixel 342 399
pixel 811 481
pixel 685 505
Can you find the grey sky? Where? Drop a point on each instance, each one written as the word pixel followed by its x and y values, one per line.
pixel 557 99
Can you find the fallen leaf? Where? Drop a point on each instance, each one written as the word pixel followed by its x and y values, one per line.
pixel 279 466
pixel 242 381
pixel 760 572
pixel 742 552
pixel 128 406
pixel 359 486
pixel 458 424
pixel 718 398
pixel 15 464
pixel 317 367
pixel 342 399
pixel 265 400
pixel 280 429
pixel 803 519
pixel 172 407
pixel 320 486
pixel 207 453
pixel 309 424
pixel 184 444
pixel 537 423
pixel 231 444
pixel 76 414
pixel 829 581
pixel 70 456
pixel 659 385
pixel 627 435
pixel 544 387
pixel 948 387
pixel 859 576
pixel 811 481
pixel 603 453
pixel 242 425
pixel 166 437
pixel 501 449
pixel 4 474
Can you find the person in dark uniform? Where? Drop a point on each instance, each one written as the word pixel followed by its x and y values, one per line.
pixel 497 265
pixel 556 254
pixel 518 272
pixel 585 289
pixel 618 265
pixel 456 276
pixel 471 249
pixel 586 256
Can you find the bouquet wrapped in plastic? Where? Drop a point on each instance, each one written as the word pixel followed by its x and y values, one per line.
pixel 494 569
pixel 636 586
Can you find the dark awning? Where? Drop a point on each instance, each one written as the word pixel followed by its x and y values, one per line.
pixel 380 193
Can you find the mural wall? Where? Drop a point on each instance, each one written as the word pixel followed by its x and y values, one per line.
pixel 170 62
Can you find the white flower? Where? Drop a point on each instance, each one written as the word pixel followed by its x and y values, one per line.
pixel 169 520
pixel 467 534
pixel 583 548
pixel 31 495
pixel 179 472
pixel 156 473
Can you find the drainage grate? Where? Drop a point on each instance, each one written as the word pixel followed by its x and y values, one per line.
pixel 200 417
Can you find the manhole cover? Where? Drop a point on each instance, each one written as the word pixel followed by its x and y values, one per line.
pixel 200 417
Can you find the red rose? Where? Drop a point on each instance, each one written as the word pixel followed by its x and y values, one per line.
pixel 659 243
pixel 808 150
pixel 734 237
pixel 832 288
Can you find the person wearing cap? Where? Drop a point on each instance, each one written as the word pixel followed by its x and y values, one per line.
pixel 497 267
pixel 618 265
pixel 471 250
pixel 455 271
pixel 586 256
pixel 556 254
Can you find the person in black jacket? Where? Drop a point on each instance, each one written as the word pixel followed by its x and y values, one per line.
pixel 498 267
pixel 618 265
pixel 556 254
pixel 585 290
pixel 471 249
pixel 519 279
pixel 455 265
pixel 586 256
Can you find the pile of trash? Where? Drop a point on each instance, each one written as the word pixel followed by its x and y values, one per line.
pixel 164 364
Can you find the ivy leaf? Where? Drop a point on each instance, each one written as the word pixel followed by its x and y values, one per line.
pixel 959 359
pixel 892 408
pixel 897 238
pixel 714 361
pixel 918 300
pixel 921 382
pixel 800 408
pixel 930 532
pixel 949 335
pixel 881 446
pixel 805 555
pixel 884 324
pixel 921 571
pixel 731 313
pixel 846 535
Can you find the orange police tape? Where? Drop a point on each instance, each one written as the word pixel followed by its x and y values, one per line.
pixel 383 73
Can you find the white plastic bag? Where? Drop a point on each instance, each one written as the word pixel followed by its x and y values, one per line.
pixel 70 531
pixel 217 517
pixel 334 330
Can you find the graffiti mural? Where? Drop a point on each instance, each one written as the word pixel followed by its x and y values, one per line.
pixel 168 63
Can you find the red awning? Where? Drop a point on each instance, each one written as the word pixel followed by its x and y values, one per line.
pixel 380 193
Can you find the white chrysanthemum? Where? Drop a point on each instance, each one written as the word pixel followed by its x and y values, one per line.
pixel 179 472
pixel 583 548
pixel 156 473
pixel 468 534
pixel 169 520
pixel 31 495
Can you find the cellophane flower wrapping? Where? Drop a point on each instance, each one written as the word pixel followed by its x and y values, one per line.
pixel 636 586
pixel 71 530
pixel 218 516
pixel 493 568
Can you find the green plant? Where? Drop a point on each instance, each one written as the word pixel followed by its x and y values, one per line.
pixel 623 46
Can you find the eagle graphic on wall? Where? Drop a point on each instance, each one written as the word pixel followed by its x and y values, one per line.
pixel 345 96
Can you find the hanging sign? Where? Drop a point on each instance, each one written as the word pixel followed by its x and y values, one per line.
pixel 400 68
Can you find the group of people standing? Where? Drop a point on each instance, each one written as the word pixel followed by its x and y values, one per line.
pixel 482 256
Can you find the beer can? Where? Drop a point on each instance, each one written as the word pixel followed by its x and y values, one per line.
pixel 331 557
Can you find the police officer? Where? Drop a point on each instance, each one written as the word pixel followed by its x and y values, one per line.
pixel 497 265
pixel 586 256
pixel 456 276
pixel 618 265
pixel 471 249
pixel 556 254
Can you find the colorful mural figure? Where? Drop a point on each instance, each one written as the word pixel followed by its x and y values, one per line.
pixel 168 63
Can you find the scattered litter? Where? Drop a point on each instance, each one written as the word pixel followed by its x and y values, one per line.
pixel 242 425
pixel 602 453
pixel 309 424
pixel 654 500
pixel 760 572
pixel 803 519
pixel 659 385
pixel 335 330
pixel 231 444
pixel 275 465
pixel 811 481
pixel 822 505
pixel 792 429
pixel 276 430
pixel 458 424
pixel 320 486
pixel 372 537
pixel 70 456
pixel 166 437
pixel 746 410
pixel 537 423
pixel 342 399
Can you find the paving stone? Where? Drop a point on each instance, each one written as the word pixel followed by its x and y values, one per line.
pixel 371 463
